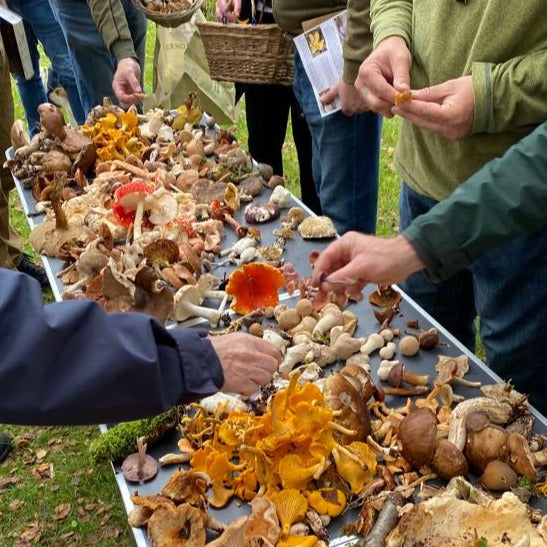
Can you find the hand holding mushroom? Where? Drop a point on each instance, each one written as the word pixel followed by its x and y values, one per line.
pixel 247 361
pixel 354 260
pixel 126 83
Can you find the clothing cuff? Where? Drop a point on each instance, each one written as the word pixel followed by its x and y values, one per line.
pixel 436 249
pixel 121 49
pixel 385 31
pixel 481 74
pixel 201 366
pixel 351 69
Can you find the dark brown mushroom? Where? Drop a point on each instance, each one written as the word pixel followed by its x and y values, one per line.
pixel 520 457
pixel 385 296
pixel 448 461
pixel 139 467
pixel 418 436
pixel 486 445
pixel 498 476
pixel 260 212
pixel 476 421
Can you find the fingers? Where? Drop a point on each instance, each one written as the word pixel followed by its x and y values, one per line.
pixel 126 83
pixel 329 95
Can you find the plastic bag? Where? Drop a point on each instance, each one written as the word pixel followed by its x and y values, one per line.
pixel 180 66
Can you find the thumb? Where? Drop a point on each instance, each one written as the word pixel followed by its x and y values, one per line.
pixel 349 274
pixel 401 72
pixel 330 95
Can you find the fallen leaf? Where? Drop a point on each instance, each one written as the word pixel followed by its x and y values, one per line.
pixel 6 482
pixel 41 454
pixel 62 511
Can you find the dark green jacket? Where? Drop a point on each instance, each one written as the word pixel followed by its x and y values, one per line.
pixel 290 14
pixel 505 200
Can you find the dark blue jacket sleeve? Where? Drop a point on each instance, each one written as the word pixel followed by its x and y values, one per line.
pixel 72 363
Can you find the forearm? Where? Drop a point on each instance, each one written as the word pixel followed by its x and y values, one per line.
pixel 358 43
pixel 109 16
pixel 511 94
pixel 505 200
pixel 72 363
pixel 391 18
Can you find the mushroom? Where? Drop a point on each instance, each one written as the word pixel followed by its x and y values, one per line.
pixel 428 339
pixel 327 501
pixel 418 436
pixel 18 135
pixel 345 346
pixel 448 461
pixel 388 351
pixel 331 315
pixel 260 212
pixel 520 457
pixel 281 197
pixel 320 227
pixel 395 374
pixel 304 307
pixel 288 319
pixel 183 522
pixel 485 445
pixel 139 467
pixel 498 476
pixel 373 343
pixel 409 346
pixel 132 197
pixel 186 305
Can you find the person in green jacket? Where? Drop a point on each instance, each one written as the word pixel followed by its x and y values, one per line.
pixel 475 75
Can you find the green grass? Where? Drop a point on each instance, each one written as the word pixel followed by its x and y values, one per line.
pixel 34 504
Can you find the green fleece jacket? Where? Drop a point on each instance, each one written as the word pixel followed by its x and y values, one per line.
pixel 290 14
pixel 505 200
pixel 109 16
pixel 502 44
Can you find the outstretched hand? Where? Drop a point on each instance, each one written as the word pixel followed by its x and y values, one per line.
pixel 127 82
pixel 247 362
pixel 355 259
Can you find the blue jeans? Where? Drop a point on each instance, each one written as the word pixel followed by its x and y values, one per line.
pixel 93 63
pixel 345 158
pixel 507 288
pixel 41 26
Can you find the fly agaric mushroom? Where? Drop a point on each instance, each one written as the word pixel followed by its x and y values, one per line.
pixel 132 197
pixel 139 467
pixel 186 305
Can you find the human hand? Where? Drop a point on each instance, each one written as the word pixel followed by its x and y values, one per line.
pixel 385 72
pixel 355 259
pixel 228 9
pixel 247 362
pixel 351 100
pixel 126 83
pixel 447 108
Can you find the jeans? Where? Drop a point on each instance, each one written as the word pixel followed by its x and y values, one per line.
pixel 93 64
pixel 41 26
pixel 345 160
pixel 507 288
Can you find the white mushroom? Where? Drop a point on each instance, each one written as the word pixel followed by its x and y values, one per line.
pixel 186 305
pixel 373 343
pixel 388 351
pixel 331 316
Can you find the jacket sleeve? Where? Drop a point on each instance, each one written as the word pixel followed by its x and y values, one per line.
pixel 358 43
pixel 505 200
pixel 109 16
pixel 391 18
pixel 510 94
pixel 72 363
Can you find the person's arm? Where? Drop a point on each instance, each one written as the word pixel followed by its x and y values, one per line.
pixel 505 200
pixel 109 16
pixel 510 94
pixel 72 363
pixel 358 42
pixel 391 18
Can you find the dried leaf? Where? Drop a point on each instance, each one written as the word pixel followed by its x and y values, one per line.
pixel 62 511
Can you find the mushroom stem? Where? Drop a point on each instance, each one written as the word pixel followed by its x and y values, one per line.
pixel 342 429
pixel 138 220
pixel 240 230
pixel 465 382
pixel 141 446
pixel 405 392
pixel 415 379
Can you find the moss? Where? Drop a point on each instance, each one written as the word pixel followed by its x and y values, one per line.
pixel 121 440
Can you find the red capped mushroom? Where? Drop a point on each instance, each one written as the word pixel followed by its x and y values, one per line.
pixel 132 197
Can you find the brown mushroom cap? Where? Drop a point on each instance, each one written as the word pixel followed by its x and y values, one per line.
pixel 498 476
pixel 132 472
pixel 448 461
pixel 340 395
pixel 251 186
pixel 418 436
pixel 520 457
pixel 182 526
pixel 476 421
pixel 486 445
pixel 162 251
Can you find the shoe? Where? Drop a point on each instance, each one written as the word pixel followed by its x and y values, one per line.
pixel 27 266
pixel 5 446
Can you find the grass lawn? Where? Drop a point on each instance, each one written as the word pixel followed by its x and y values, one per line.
pixel 51 493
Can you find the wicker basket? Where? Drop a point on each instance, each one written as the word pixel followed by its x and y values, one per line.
pixel 173 19
pixel 256 54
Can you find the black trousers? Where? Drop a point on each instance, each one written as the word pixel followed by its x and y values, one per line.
pixel 267 110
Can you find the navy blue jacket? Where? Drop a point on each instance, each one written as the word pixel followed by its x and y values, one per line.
pixel 72 363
